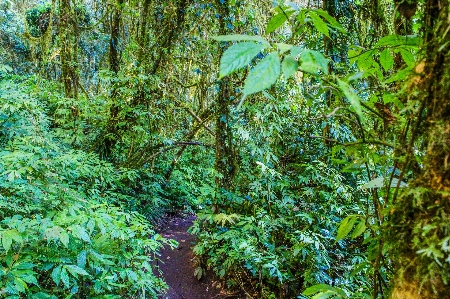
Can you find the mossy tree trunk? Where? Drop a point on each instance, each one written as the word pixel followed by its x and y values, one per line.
pixel 68 35
pixel 225 164
pixel 114 66
pixel 420 219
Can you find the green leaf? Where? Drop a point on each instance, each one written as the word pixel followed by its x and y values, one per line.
pixel 346 226
pixel 132 275
pixel 353 98
pixel 313 62
pixel 64 238
pixel 238 56
pixel 5 68
pixel 240 37
pixel 324 295
pixel 65 277
pixel 20 285
pixel 283 48
pixel 386 59
pixel 381 182
pixel 53 232
pixel 399 40
pixel 81 259
pixel 296 51
pixel 324 288
pixel 408 57
pixel 335 24
pixel 75 270
pixel 399 76
pixel 365 60
pixel 6 240
pixel 359 229
pixel 79 232
pixel 289 66
pixel 320 25
pixel 277 20
pixel 263 75
pixel 56 275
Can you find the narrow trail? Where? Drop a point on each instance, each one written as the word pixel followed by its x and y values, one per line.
pixel 179 265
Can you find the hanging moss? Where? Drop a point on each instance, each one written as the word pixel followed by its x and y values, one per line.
pixel 38 19
pixel 83 16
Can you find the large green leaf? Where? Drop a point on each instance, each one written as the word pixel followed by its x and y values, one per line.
pixel 80 233
pixel 65 277
pixel 320 25
pixel 333 23
pixel 238 56
pixel 289 66
pixel 56 275
pixel 399 40
pixel 275 22
pixel 360 228
pixel 263 75
pixel 386 59
pixel 408 57
pixel 313 62
pixel 346 226
pixel 283 48
pixel 353 98
pixel 75 270
pixel 382 182
pixel 6 241
pixel 8 236
pixel 323 288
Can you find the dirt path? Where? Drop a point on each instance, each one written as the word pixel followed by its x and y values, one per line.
pixel 179 265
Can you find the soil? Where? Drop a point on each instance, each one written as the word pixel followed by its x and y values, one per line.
pixel 178 266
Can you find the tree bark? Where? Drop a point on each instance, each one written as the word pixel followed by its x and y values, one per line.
pixel 110 138
pixel 225 164
pixel 68 40
pixel 420 221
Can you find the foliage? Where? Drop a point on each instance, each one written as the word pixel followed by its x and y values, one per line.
pixel 306 135
pixel 38 19
pixel 60 232
pixel 279 235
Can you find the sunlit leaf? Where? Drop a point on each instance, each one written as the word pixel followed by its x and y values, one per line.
pixel 353 98
pixel 275 22
pixel 386 59
pixel 320 25
pixel 381 182
pixel 360 228
pixel 240 37
pixel 263 75
pixel 312 62
pixel 238 56
pixel 289 66
pixel 345 227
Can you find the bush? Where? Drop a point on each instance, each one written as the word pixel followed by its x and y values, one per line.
pixel 63 231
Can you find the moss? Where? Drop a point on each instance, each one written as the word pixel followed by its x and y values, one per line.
pixel 38 19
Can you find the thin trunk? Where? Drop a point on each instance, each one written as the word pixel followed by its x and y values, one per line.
pixel 225 165
pixel 68 38
pixel 110 138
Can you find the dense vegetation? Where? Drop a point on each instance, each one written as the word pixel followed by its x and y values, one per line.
pixel 310 138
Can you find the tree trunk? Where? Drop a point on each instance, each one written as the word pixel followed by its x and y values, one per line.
pixel 225 159
pixel 68 40
pixel 420 222
pixel 110 138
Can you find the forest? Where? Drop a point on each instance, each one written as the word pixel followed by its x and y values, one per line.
pixel 309 141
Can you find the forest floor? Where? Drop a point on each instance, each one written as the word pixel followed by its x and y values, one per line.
pixel 178 266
